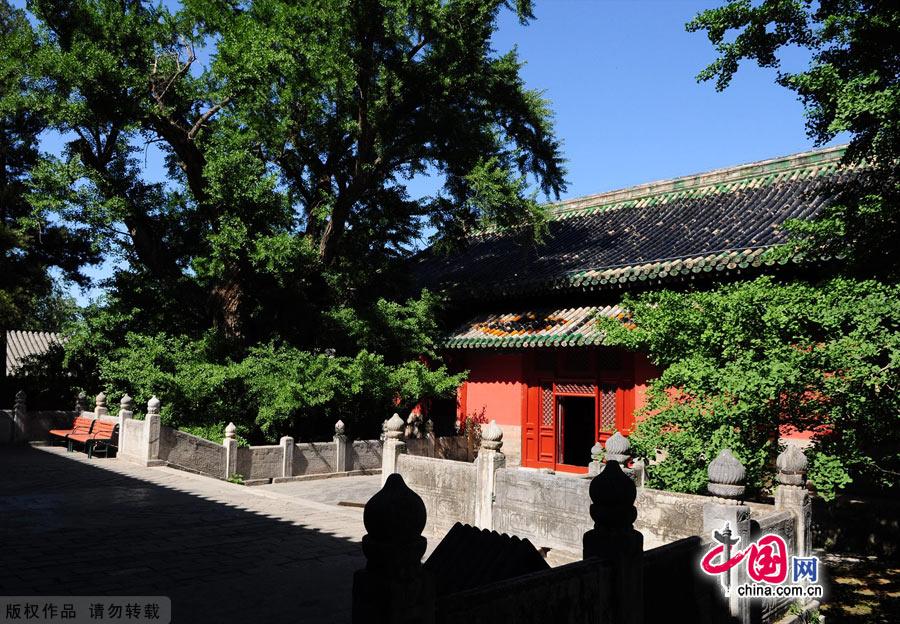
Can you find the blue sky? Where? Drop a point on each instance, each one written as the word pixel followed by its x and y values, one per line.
pixel 621 79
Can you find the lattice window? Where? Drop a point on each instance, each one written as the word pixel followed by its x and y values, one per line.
pixel 608 409
pixel 575 388
pixel 547 405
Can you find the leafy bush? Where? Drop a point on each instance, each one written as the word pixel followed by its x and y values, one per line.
pixel 744 359
pixel 272 389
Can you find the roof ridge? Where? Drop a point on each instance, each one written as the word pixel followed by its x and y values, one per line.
pixel 702 180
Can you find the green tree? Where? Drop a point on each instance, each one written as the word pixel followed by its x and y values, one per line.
pixel 30 298
pixel 289 150
pixel 852 85
pixel 290 131
pixel 743 360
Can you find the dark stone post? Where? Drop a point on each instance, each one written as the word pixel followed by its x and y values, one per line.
pixel 792 495
pixel 20 418
pixel 81 403
pixel 614 539
pixel 727 519
pixel 394 588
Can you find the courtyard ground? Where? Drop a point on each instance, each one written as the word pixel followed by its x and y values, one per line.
pixel 222 552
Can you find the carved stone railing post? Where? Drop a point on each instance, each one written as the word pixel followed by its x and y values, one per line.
pixel 489 460
pixel 20 417
pixel 126 412
pixel 100 405
pixel 152 428
pixel 287 456
pixel 730 518
pixel 81 403
pixel 341 448
pixel 792 495
pixel 615 540
pixel 231 447
pixel 394 446
pixel 430 441
pixel 394 587
pixel 618 448
pixel 596 464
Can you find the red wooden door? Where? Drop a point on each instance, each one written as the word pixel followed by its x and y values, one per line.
pixel 539 431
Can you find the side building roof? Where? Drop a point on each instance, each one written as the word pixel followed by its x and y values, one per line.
pixel 722 220
pixel 20 345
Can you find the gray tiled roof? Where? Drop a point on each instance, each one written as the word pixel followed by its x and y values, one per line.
pixel 22 344
pixel 718 221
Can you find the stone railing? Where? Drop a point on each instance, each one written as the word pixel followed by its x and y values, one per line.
pixel 548 509
pixel 19 425
pixel 150 443
pixel 609 584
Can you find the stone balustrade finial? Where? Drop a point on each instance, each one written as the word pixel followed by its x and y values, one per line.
pixel 20 397
pixel 339 428
pixel 81 403
pixel 612 498
pixel 100 405
pixel 394 519
pixel 230 431
pixel 127 403
pixel 153 405
pixel 792 465
pixel 618 448
pixel 394 427
pixel 726 476
pixel 492 436
pixel 597 452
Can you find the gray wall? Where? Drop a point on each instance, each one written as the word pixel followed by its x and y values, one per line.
pixel 131 440
pixel 313 458
pixel 259 462
pixel 365 455
pixel 186 451
pixel 6 426
pixel 446 487
pixel 579 592
pixel 548 509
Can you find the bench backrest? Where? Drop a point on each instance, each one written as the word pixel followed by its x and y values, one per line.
pixel 103 429
pixel 82 425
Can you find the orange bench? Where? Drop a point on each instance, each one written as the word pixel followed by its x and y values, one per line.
pixel 100 437
pixel 81 426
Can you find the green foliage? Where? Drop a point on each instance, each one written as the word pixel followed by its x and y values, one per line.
pixel 265 279
pixel 852 85
pixel 29 296
pixel 744 359
pixel 236 478
pixel 273 389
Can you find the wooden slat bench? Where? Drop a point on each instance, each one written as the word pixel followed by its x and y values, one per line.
pixel 82 425
pixel 100 437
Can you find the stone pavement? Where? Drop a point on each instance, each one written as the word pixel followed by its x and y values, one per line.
pixel 222 552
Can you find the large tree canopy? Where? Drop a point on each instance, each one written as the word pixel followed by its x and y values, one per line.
pixel 29 248
pixel 290 132
pixel 289 149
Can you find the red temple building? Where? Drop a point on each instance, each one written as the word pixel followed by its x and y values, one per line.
pixel 526 312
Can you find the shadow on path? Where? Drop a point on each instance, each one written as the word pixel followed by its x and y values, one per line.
pixel 71 528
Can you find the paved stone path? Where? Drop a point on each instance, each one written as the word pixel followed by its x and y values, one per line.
pixel 222 552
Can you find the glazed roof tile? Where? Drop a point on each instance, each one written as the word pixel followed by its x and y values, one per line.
pixel 717 221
